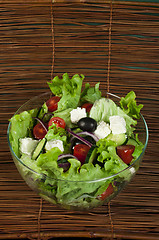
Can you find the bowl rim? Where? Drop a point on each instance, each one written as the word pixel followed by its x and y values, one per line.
pixel 43 175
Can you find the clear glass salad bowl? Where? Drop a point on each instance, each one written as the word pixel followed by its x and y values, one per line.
pixel 79 195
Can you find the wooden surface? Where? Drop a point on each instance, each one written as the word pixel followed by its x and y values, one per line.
pixel 81 46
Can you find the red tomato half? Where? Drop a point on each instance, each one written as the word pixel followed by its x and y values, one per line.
pixel 80 151
pixel 107 192
pixel 39 131
pixel 52 103
pixel 125 153
pixel 87 106
pixel 58 121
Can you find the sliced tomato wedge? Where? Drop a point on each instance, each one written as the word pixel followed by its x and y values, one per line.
pixel 52 103
pixel 107 192
pixel 125 152
pixel 39 131
pixel 58 121
pixel 87 106
pixel 80 151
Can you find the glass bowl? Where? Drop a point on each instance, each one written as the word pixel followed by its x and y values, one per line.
pixel 77 195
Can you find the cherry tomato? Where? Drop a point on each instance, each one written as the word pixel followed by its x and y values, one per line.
pixel 39 131
pixel 125 153
pixel 80 151
pixel 58 121
pixel 87 106
pixel 52 103
pixel 107 192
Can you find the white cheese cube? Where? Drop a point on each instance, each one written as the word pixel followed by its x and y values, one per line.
pixel 54 143
pixel 27 145
pixel 102 130
pixel 117 124
pixel 77 114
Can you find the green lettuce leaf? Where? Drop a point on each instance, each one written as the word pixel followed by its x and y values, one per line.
pixel 114 164
pixel 58 134
pixel 26 159
pixel 50 156
pixel 21 126
pixel 104 108
pixel 43 110
pixel 138 148
pixel 102 149
pixel 107 154
pixel 90 94
pixel 129 105
pixel 70 186
pixel 75 189
pixel 68 89
pixel 65 115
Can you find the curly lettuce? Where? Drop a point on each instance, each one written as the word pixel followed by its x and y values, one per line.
pixel 129 105
pixel 68 89
pixel 21 126
pixel 90 94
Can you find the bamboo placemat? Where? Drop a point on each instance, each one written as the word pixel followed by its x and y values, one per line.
pixel 81 42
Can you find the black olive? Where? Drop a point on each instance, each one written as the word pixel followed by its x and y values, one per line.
pixel 87 124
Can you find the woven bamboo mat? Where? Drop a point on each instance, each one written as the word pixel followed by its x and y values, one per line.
pixel 82 45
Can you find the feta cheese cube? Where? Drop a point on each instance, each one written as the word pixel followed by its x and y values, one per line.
pixel 102 130
pixel 77 114
pixel 27 145
pixel 54 143
pixel 117 124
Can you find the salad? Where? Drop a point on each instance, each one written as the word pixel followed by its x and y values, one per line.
pixel 76 141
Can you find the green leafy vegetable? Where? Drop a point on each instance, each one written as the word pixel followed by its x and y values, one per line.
pixel 21 125
pixel 138 148
pixel 90 94
pixel 49 157
pixel 129 105
pixel 43 110
pixel 104 108
pixel 107 155
pixel 114 164
pixel 58 134
pixel 65 115
pixel 73 192
pixel 69 89
pixel 26 159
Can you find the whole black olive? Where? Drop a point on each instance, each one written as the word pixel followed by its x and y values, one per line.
pixel 87 124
